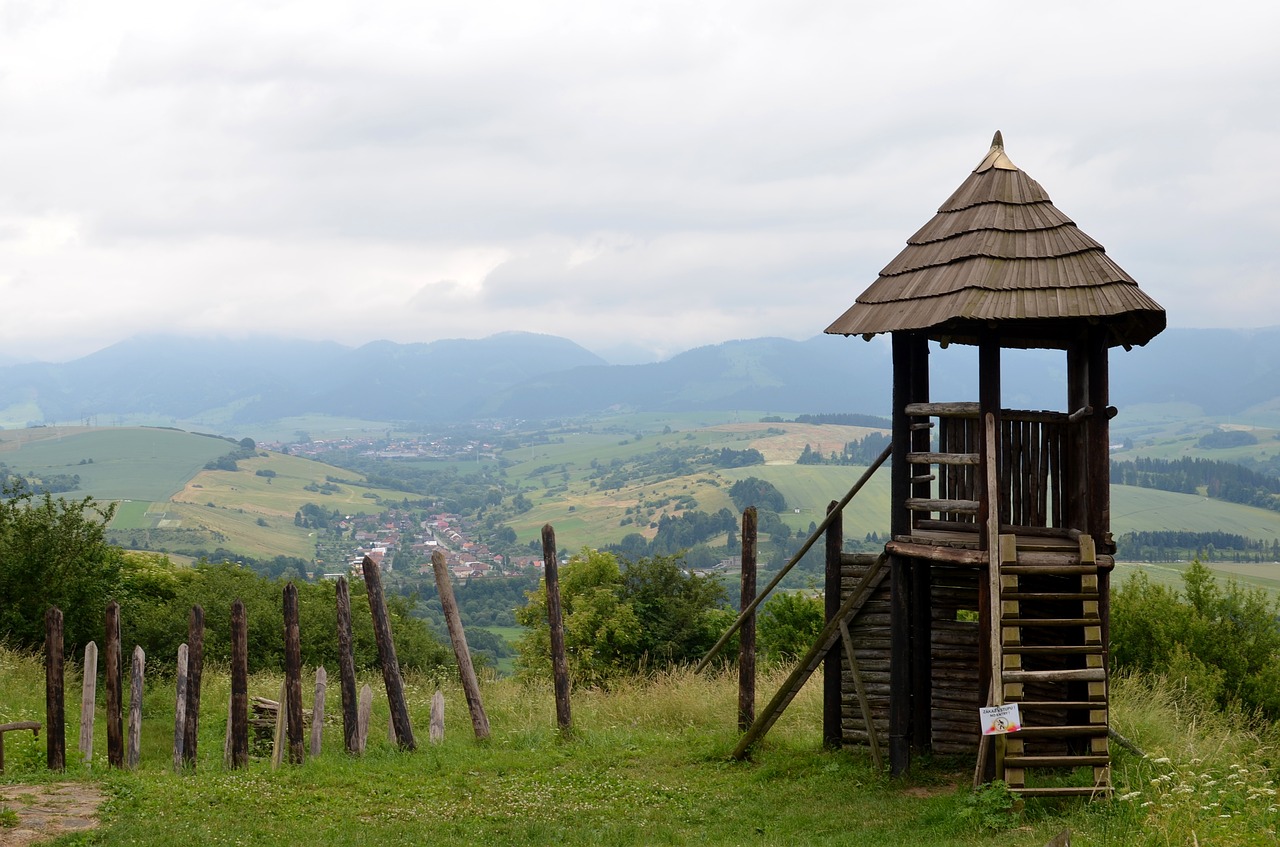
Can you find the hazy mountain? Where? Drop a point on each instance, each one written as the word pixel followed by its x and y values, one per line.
pixel 241 382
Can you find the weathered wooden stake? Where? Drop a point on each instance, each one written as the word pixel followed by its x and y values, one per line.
pixel 114 681
pixel 346 669
pixel 437 717
pixel 226 738
pixel 88 697
pixel 195 675
pixel 387 655
pixel 239 686
pixel 364 713
pixel 555 619
pixel 282 725
pixel 293 674
pixel 470 685
pixel 747 634
pixel 180 708
pixel 317 711
pixel 136 675
pixel 55 720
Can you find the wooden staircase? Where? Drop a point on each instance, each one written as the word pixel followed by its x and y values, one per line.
pixel 1053 662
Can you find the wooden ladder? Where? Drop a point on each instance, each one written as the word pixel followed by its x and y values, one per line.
pixel 1053 665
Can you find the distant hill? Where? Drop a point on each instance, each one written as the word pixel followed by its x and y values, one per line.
pixel 235 384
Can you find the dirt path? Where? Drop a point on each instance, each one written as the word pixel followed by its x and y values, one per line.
pixel 47 811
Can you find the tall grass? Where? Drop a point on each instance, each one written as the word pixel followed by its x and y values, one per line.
pixel 646 764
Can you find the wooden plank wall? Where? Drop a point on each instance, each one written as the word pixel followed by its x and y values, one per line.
pixel 954 702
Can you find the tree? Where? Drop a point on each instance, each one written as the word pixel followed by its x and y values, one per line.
pixel 621 619
pixel 54 553
pixel 790 623
pixel 760 493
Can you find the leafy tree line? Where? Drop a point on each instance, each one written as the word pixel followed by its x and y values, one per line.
pixel 1220 480
pixel 862 451
pixel 1173 546
pixel 1223 644
pixel 55 553
pixel 48 483
pixel 625 617
pixel 846 419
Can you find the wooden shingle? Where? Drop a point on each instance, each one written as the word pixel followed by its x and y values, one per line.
pixel 999 254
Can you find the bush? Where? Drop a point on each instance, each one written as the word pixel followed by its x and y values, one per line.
pixel 1223 644
pixel 789 625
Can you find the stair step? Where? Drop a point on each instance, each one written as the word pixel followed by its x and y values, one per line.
pixel 1089 730
pixel 1064 569
pixel 1063 791
pixel 1048 595
pixel 1086 621
pixel 1054 761
pixel 1044 650
pixel 1036 705
pixel 1014 676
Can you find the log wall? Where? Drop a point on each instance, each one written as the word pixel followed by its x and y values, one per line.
pixel 954 667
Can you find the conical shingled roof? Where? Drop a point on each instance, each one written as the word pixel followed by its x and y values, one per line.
pixel 999 254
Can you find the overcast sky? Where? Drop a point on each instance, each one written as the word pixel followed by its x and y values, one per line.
pixel 635 176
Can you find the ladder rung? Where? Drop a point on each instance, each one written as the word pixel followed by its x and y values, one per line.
pixel 1072 675
pixel 1048 595
pixel 1091 649
pixel 943 458
pixel 1063 791
pixel 1036 705
pixel 929 477
pixel 1096 730
pixel 1094 621
pixel 1054 761
pixel 923 504
pixel 921 426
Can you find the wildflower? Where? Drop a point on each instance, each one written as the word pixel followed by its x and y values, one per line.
pixel 1163 760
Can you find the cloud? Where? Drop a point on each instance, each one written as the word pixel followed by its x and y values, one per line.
pixel 658 174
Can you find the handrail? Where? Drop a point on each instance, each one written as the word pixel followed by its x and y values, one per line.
pixel 813 537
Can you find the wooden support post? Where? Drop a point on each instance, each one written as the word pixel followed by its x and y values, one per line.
pixel 317 711
pixel 555 620
pixel 832 731
pixel 387 654
pixel 55 719
pixel 747 634
pixel 292 701
pixel 470 685
pixel 346 669
pixel 278 738
pixel 864 705
pixel 88 699
pixel 180 707
pixel 114 681
pixel 900 671
pixel 137 673
pixel 195 677
pixel 239 685
pixel 363 713
pixel 437 717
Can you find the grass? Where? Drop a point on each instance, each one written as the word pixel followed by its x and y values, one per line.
pixel 646 765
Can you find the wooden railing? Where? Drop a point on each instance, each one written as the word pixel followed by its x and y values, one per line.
pixel 1034 467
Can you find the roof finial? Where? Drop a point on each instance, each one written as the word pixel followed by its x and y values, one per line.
pixel 995 157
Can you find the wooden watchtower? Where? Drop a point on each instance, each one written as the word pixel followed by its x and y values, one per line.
pixel 1008 507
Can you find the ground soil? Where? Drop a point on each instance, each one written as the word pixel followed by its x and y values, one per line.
pixel 48 811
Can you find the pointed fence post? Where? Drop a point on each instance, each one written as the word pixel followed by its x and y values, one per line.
pixel 55 720
pixel 292 701
pixel 555 621
pixel 114 680
pixel 180 707
pixel 239 686
pixel 470 685
pixel 387 656
pixel 347 670
pixel 195 675
pixel 364 713
pixel 136 676
pixel 437 717
pixel 88 698
pixel 747 633
pixel 317 711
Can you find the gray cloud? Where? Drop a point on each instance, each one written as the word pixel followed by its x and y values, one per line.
pixel 653 174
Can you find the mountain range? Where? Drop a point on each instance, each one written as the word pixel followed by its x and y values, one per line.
pixel 236 383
